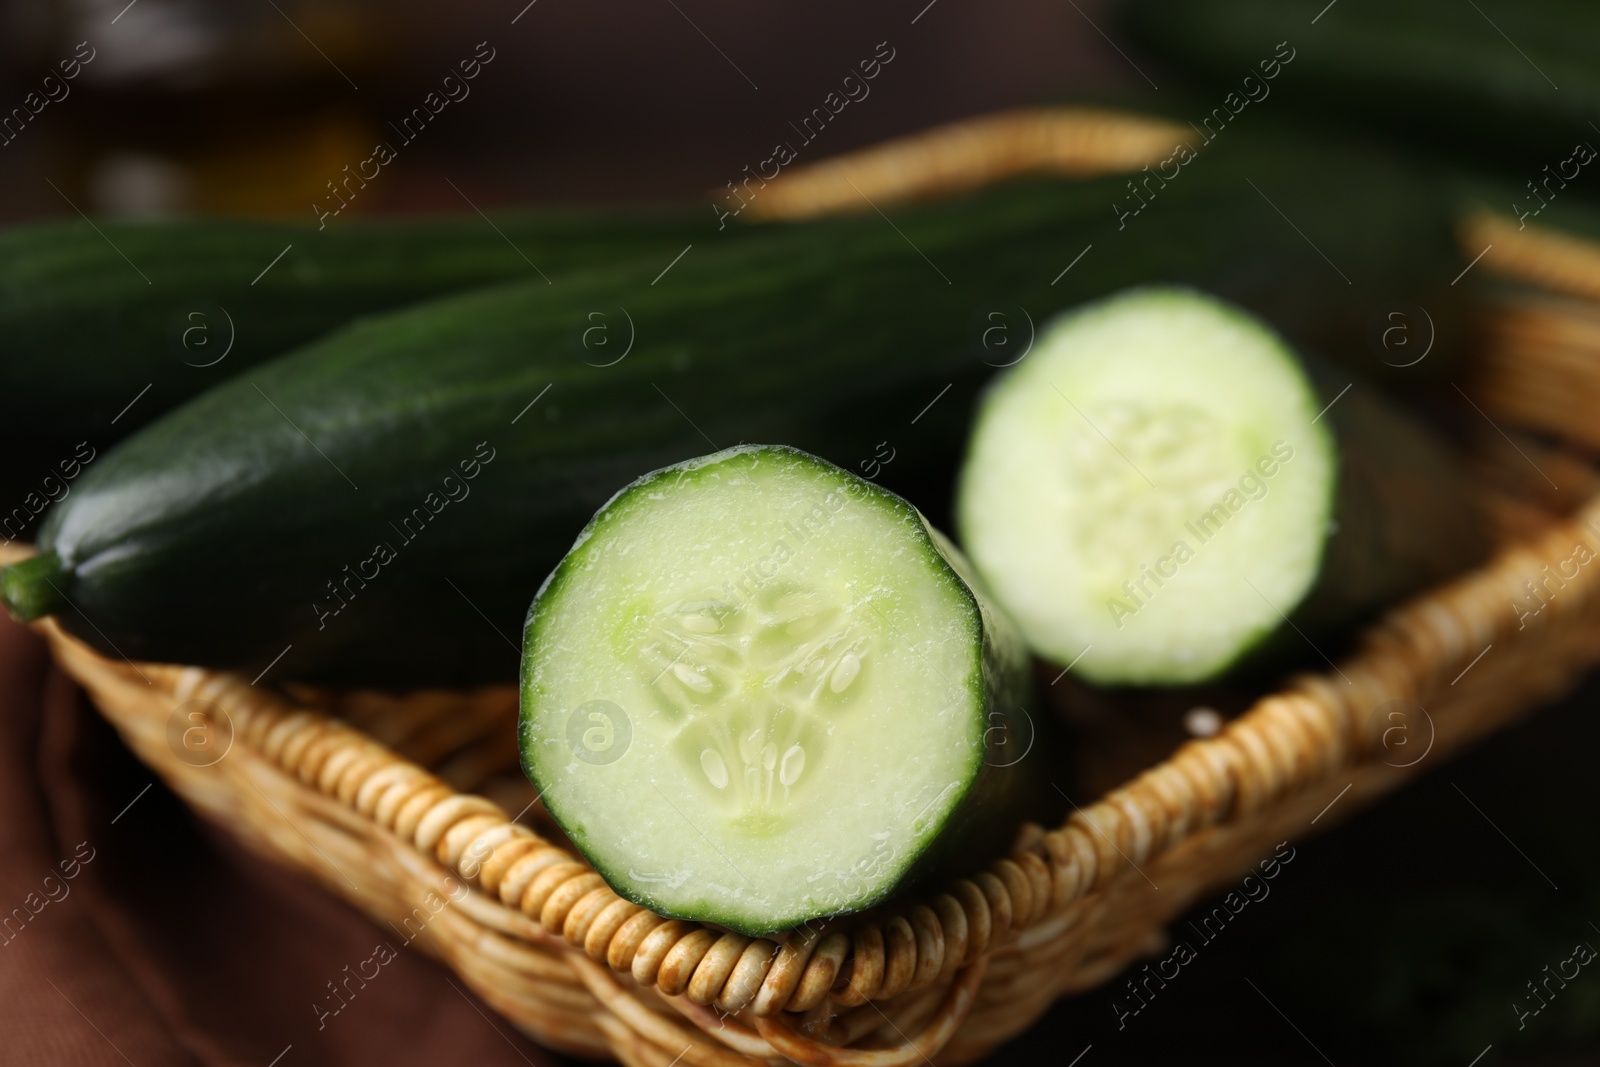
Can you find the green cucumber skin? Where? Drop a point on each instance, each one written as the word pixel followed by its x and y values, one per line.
pixel 1405 509
pixel 1022 748
pixel 82 331
pixel 1006 788
pixel 1425 70
pixel 1405 518
pixel 206 537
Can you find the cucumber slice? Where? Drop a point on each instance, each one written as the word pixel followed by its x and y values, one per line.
pixel 758 691
pixel 1150 494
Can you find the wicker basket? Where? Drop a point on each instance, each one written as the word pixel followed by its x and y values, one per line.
pixel 374 795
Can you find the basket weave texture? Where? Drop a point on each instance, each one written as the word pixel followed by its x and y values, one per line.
pixel 366 793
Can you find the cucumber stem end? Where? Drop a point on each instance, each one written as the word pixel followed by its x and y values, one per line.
pixel 32 589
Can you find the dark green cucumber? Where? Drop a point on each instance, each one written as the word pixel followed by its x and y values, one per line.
pixel 761 690
pixel 307 503
pixel 1475 80
pixel 1164 485
pixel 92 315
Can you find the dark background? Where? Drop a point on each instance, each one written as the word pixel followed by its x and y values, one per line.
pixel 225 106
pixel 1403 936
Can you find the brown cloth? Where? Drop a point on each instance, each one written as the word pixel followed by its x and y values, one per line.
pixel 131 932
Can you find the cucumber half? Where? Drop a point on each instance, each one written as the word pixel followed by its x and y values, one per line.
pixel 1151 493
pixel 758 692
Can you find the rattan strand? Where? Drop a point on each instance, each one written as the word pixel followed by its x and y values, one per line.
pixel 1535 254
pixel 1538 367
pixel 958 158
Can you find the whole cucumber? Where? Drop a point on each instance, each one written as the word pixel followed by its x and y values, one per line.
pixel 93 314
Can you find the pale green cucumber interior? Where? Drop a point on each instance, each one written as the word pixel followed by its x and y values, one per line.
pixel 1150 489
pixel 778 686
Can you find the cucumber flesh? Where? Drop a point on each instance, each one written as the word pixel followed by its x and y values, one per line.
pixel 1158 455
pixel 756 691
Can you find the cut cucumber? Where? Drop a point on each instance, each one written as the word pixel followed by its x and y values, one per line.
pixel 757 691
pixel 1151 493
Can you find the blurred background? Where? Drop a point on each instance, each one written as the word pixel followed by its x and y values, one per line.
pixel 1406 935
pixel 250 106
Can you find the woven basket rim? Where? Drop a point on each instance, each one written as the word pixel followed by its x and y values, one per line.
pixel 1255 760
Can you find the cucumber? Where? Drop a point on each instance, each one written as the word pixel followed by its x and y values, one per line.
pixel 758 691
pixel 84 330
pixel 1478 81
pixel 232 532
pixel 1158 489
